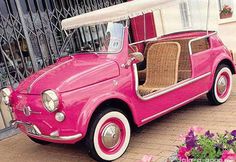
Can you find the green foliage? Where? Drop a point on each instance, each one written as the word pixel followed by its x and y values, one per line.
pixel 206 149
pixel 207 146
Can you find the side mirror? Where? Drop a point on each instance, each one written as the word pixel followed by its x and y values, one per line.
pixel 135 57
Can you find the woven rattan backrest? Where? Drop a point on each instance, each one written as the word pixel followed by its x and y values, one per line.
pixel 162 64
pixel 200 45
pixel 184 63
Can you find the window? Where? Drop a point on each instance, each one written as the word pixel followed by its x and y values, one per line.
pixel 185 15
pixel 226 8
pixel 173 18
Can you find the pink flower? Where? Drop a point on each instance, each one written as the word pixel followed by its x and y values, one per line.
pixel 183 153
pixel 197 130
pixel 146 158
pixel 182 137
pixel 227 7
pixel 228 155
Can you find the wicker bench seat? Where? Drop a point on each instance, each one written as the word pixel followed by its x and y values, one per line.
pixel 184 70
pixel 162 67
pixel 184 63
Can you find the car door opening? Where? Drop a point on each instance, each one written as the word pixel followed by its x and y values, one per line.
pixel 167 65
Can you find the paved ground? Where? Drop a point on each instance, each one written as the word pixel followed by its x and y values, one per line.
pixel 158 138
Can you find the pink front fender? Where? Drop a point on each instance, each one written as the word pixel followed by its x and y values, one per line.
pixel 94 102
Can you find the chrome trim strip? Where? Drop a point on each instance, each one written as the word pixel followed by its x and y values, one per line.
pixel 151 39
pixel 15 123
pixel 32 112
pixel 166 35
pixel 167 90
pixel 41 76
pixel 58 138
pixel 198 38
pixel 173 107
pixel 189 43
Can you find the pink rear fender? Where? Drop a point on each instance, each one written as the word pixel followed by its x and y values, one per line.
pixel 85 101
pixel 222 58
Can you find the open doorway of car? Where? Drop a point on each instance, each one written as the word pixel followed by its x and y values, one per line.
pixel 167 59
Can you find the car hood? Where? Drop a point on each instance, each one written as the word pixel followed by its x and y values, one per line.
pixel 70 73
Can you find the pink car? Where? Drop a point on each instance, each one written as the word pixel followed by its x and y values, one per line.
pixel 101 93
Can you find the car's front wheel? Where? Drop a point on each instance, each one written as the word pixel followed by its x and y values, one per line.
pixel 109 135
pixel 222 86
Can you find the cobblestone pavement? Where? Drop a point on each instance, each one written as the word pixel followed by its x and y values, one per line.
pixel 158 138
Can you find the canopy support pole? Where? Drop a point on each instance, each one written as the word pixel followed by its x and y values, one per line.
pixel 162 22
pixel 208 15
pixel 144 27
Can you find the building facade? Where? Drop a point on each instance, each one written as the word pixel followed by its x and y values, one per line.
pixel 192 14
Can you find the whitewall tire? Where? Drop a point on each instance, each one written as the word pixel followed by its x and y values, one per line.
pixel 222 86
pixel 109 135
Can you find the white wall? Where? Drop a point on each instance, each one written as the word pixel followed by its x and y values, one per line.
pixel 169 19
pixel 227 33
pixel 199 10
pixel 227 27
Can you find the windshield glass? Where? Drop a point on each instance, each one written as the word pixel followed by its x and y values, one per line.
pixel 109 39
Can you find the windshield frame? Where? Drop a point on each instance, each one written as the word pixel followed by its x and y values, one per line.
pixel 65 44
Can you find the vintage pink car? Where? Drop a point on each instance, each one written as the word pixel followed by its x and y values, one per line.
pixel 101 93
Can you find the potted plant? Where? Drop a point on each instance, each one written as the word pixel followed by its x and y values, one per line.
pixel 200 145
pixel 226 12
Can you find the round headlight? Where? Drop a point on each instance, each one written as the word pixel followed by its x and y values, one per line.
pixel 5 95
pixel 50 100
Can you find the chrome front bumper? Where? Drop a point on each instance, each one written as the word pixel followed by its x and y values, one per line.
pixel 33 130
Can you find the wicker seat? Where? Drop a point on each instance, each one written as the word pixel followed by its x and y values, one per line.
pixel 162 67
pixel 142 73
pixel 184 69
pixel 184 60
pixel 185 63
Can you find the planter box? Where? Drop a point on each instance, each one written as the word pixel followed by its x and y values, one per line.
pixel 224 16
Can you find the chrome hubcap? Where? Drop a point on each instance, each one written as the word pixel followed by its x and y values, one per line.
pixel 222 84
pixel 111 136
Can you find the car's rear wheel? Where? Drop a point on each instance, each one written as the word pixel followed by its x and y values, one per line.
pixel 109 135
pixel 222 86
pixel 41 142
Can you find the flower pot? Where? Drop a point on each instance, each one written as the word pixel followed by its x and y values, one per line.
pixel 224 16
